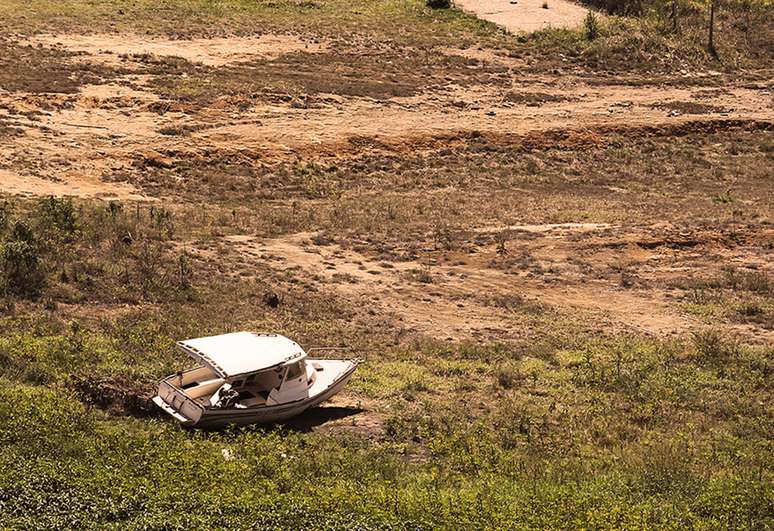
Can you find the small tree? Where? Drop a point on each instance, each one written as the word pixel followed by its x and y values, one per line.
pixel 58 215
pixel 439 4
pixel 711 29
pixel 22 273
pixel 184 271
pixel 673 17
pixel 4 211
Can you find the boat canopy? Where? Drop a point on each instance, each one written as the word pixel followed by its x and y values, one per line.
pixel 241 353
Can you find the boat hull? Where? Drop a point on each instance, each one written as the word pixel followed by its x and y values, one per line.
pixel 219 418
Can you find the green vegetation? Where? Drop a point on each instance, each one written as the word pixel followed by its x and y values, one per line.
pixel 642 34
pixel 663 36
pixel 401 20
pixel 591 26
pixel 613 433
pixel 93 251
pixel 582 430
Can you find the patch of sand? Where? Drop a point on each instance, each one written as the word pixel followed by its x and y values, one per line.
pixel 108 48
pixel 15 184
pixel 453 305
pixel 547 228
pixel 518 16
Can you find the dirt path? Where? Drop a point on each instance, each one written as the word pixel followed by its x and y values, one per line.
pixel 527 16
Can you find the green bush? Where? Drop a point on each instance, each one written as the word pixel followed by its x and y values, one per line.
pixel 508 376
pixel 22 272
pixel 620 7
pixel 57 216
pixel 40 420
pixel 712 347
pixel 591 26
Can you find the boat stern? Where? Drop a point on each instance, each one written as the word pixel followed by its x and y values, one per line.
pixel 177 404
pixel 171 411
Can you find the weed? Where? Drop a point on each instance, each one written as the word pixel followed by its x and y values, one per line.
pixel 423 275
pixel 508 376
pixel 591 26
pixel 184 271
pixel 21 264
pixel 502 240
pixel 750 309
pixel 444 236
pixel 724 197
pixel 745 280
pixel 702 296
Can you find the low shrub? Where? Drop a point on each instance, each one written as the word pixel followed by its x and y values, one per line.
pixel 591 26
pixel 22 272
pixel 712 346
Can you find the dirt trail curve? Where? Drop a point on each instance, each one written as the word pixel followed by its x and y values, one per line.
pixel 519 16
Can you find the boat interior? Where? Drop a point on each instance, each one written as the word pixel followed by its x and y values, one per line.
pixel 206 388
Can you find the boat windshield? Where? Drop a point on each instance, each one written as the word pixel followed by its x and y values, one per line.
pixel 294 371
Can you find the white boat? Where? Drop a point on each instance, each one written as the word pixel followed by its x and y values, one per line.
pixel 246 378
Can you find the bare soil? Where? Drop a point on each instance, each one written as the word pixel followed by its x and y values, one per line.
pixel 127 117
pixel 110 105
pixel 615 277
pixel 519 16
pixel 113 49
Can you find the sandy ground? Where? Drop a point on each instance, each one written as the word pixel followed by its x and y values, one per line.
pixel 79 185
pixel 526 16
pixel 111 48
pixel 450 305
pixel 74 150
pixel 73 144
pixel 454 299
pixel 79 144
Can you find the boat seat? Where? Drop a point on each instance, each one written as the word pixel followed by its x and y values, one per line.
pixel 257 398
pixel 204 389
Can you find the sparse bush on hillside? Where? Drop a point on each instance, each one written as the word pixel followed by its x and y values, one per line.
pixel 439 4
pixel 508 375
pixel 736 31
pixel 712 347
pixel 591 26
pixel 668 34
pixel 71 252
pixel 57 215
pixel 754 281
pixel 21 265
